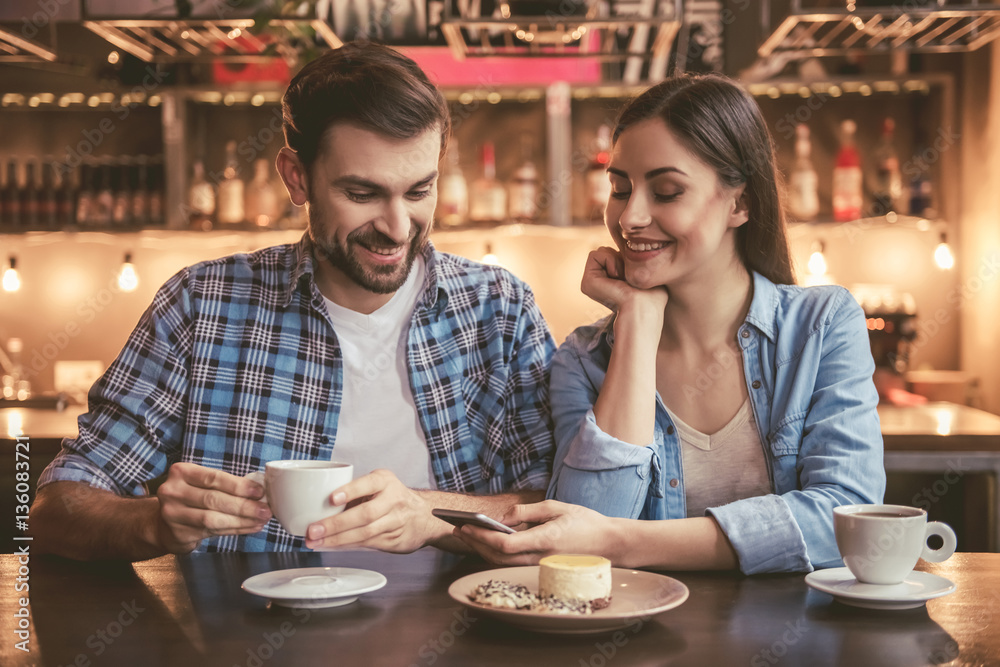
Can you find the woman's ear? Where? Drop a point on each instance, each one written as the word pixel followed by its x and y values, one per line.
pixel 741 207
pixel 293 175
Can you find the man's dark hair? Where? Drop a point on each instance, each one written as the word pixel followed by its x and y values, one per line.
pixel 364 83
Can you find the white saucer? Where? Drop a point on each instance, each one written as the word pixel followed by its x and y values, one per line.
pixel 636 596
pixel 314 587
pixel 914 591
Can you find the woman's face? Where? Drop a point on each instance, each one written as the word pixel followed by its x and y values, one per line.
pixel 671 217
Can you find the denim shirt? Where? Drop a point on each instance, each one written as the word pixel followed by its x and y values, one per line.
pixel 808 368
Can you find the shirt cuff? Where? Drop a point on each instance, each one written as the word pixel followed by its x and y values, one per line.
pixel 764 534
pixel 68 467
pixel 595 450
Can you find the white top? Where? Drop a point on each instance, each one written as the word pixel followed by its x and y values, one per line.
pixel 725 466
pixel 379 426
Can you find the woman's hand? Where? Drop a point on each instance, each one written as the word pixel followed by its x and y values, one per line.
pixel 545 528
pixel 604 281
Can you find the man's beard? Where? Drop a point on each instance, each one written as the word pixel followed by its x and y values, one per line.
pixel 374 278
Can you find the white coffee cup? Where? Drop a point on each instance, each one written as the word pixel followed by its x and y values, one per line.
pixel 299 492
pixel 881 544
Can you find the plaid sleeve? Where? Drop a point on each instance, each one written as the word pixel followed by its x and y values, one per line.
pixel 134 427
pixel 527 428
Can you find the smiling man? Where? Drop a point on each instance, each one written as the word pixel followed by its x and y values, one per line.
pixel 361 343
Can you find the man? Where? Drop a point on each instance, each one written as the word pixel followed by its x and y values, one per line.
pixel 360 343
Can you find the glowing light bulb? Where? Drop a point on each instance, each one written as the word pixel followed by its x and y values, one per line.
pixel 942 255
pixel 943 418
pixel 817 262
pixel 127 278
pixel 489 257
pixel 11 279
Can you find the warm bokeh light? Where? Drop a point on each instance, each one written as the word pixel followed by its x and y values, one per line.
pixel 11 280
pixel 943 418
pixel 942 255
pixel 127 278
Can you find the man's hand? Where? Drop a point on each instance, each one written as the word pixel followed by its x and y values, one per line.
pixel 198 502
pixel 381 514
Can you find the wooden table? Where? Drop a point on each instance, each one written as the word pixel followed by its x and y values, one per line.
pixel 946 439
pixel 191 611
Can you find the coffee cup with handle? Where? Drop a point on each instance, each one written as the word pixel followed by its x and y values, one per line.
pixel 299 492
pixel 881 544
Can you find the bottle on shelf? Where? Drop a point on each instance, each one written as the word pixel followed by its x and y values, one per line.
pixel 262 210
pixel 104 198
pixel 229 207
pixel 523 186
pixel 15 383
pixel 847 177
pixel 453 191
pixel 154 193
pixel 10 198
pixel 48 206
pixel 29 197
pixel 803 184
pixel 85 198
pixel 598 186
pixel 487 196
pixel 200 200
pixel 66 195
pixel 121 214
pixel 887 193
pixel 138 178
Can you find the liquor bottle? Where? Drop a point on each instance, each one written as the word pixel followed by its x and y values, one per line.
pixel 200 200
pixel 803 198
pixel 138 177
pixel 154 192
pixel 66 197
pixel 48 208
pixel 29 197
pixel 262 199
pixel 10 198
pixel 523 186
pixel 453 191
pixel 229 208
pixel 121 214
pixel 887 193
pixel 487 197
pixel 104 198
pixel 598 186
pixel 847 178
pixel 85 199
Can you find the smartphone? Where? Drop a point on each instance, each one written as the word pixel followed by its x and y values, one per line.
pixel 460 518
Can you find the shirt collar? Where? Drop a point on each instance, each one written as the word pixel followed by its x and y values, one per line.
pixel 432 293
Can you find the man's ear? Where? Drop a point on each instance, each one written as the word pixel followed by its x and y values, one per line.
pixel 741 208
pixel 293 175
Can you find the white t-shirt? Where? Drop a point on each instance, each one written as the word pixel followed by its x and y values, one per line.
pixel 379 426
pixel 725 466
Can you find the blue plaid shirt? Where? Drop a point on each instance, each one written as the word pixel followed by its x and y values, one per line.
pixel 236 363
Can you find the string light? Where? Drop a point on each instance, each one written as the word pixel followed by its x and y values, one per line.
pixel 11 279
pixel 942 254
pixel 127 278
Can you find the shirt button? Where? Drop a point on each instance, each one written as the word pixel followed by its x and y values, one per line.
pixel 674 483
pixel 745 333
pixel 756 384
pixel 670 430
pixel 324 439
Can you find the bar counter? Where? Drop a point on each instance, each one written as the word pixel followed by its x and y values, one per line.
pixel 191 610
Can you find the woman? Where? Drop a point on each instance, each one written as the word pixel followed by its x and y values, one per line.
pixel 723 405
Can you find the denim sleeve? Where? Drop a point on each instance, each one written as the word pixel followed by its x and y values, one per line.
pixel 592 468
pixel 837 442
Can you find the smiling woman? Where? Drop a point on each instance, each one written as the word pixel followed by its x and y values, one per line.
pixel 744 469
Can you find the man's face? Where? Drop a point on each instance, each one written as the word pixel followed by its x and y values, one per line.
pixel 371 206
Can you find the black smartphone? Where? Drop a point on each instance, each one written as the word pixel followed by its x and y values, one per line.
pixel 460 518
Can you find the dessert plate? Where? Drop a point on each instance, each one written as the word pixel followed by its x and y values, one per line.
pixel 916 589
pixel 635 596
pixel 314 587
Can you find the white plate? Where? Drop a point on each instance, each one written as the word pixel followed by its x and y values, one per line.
pixel 314 587
pixel 635 596
pixel 914 591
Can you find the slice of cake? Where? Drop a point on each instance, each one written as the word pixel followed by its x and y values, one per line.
pixel 569 583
